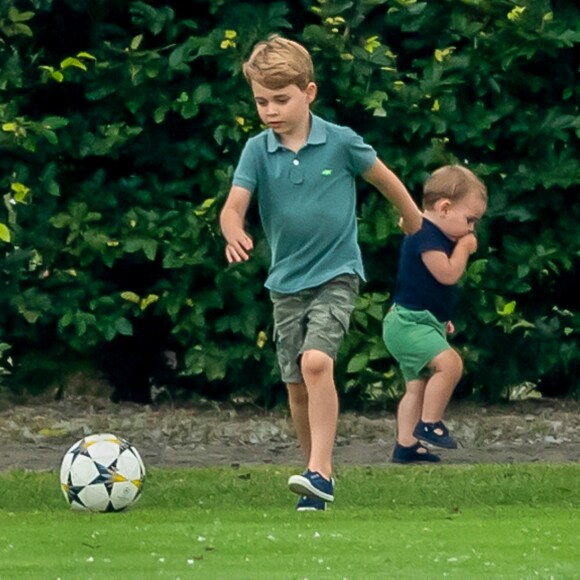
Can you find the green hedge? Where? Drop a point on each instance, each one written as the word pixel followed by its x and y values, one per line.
pixel 121 124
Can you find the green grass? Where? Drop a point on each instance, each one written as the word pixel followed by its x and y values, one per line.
pixel 482 521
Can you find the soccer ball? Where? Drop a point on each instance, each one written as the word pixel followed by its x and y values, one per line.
pixel 102 473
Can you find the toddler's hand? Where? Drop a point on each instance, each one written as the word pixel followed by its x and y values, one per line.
pixel 470 243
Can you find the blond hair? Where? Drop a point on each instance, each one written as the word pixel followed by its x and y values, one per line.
pixel 452 182
pixel 277 62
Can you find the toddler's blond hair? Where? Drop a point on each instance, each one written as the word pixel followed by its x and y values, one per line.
pixel 277 62
pixel 452 182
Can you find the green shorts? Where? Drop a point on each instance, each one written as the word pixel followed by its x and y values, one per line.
pixel 313 319
pixel 414 338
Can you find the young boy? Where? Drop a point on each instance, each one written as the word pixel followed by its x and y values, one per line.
pixel 303 171
pixel 431 263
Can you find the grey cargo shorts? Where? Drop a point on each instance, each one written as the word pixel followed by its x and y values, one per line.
pixel 312 319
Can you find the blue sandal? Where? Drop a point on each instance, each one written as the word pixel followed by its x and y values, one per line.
pixel 417 453
pixel 435 433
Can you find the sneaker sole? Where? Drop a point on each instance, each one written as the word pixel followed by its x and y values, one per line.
pixel 311 509
pixel 301 486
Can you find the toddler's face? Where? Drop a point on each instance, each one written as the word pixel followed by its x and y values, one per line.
pixel 283 109
pixel 459 218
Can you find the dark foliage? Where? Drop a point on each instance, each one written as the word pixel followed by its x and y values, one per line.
pixel 121 123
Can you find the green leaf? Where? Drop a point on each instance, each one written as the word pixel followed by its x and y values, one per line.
pixel 159 113
pixel 86 55
pixel 523 270
pixel 20 191
pixel 50 136
pixel 202 94
pixel 136 42
pixel 124 327
pixel 16 16
pixel 148 300
pixel 72 62
pixel 205 206
pixel 150 249
pixel 131 297
pixel 55 122
pixel 22 29
pixel 507 309
pixel 358 363
pixel 189 110
pixel 4 233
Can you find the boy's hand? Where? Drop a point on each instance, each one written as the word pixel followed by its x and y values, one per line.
pixel 469 242
pixel 238 248
pixel 410 227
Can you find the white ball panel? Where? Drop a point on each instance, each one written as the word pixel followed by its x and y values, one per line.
pixel 128 465
pixel 95 497
pixel 83 470
pixel 123 494
pixel 104 452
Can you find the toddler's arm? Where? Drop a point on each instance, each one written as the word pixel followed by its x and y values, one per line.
pixel 393 189
pixel 449 269
pixel 232 218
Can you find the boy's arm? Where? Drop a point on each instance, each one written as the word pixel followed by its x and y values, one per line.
pixel 232 218
pixel 449 269
pixel 392 188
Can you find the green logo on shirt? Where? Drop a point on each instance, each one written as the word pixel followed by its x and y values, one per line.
pixel 327 172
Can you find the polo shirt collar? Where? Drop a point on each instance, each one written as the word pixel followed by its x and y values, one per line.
pixel 317 135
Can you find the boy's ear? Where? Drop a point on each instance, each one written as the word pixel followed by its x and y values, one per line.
pixel 311 91
pixel 442 205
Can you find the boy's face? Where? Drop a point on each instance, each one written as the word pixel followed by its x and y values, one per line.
pixel 287 110
pixel 459 218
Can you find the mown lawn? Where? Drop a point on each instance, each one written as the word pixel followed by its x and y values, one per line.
pixel 492 521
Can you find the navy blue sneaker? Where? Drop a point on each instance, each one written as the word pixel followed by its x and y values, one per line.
pixel 435 433
pixel 415 454
pixel 310 504
pixel 312 484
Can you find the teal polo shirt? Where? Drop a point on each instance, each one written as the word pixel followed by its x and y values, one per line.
pixel 307 203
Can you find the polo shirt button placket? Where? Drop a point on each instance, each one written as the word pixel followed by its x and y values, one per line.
pixel 296 173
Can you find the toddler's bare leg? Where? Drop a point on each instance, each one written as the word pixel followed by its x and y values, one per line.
pixel 298 403
pixel 447 369
pixel 409 412
pixel 318 373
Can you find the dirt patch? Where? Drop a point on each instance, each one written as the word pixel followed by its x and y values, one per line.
pixel 35 435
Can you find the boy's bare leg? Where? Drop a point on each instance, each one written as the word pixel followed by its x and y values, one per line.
pixel 318 373
pixel 447 369
pixel 409 412
pixel 298 403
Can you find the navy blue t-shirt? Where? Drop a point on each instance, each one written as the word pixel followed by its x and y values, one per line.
pixel 417 288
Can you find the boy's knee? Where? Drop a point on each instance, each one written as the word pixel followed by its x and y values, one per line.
pixel 315 363
pixel 448 361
